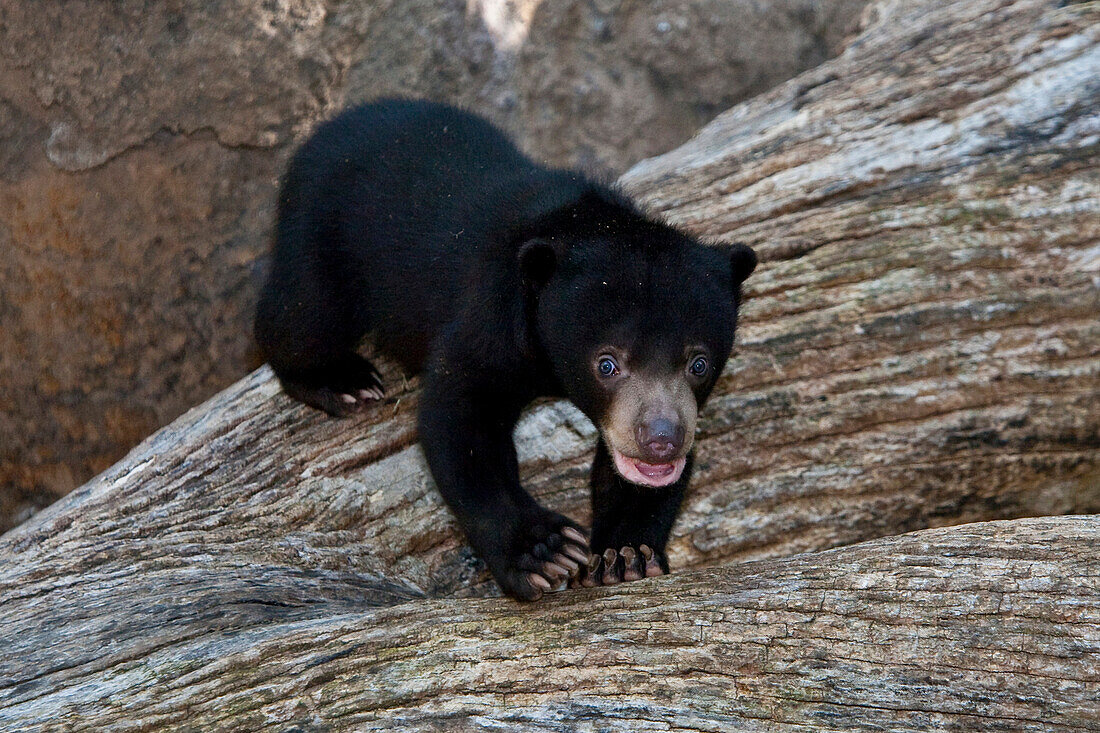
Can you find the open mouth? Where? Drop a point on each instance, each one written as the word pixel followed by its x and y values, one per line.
pixel 648 474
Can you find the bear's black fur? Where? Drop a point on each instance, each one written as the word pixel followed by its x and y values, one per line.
pixel 502 280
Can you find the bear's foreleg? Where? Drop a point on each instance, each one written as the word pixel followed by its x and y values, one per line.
pixel 631 524
pixel 467 440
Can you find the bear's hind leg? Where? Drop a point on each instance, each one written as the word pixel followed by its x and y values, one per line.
pixel 307 334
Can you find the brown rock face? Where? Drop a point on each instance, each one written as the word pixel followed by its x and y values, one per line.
pixel 142 144
pixel 597 84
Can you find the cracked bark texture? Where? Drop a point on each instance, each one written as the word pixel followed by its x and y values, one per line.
pixel 920 347
pixel 992 626
pixel 140 144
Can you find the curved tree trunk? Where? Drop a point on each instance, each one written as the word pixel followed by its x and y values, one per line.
pixel 920 347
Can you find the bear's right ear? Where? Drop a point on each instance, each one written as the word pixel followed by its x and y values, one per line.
pixel 742 262
pixel 537 260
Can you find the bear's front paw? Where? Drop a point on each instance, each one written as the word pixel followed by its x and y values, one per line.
pixel 616 566
pixel 546 552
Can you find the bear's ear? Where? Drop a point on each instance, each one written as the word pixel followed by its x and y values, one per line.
pixel 537 261
pixel 742 262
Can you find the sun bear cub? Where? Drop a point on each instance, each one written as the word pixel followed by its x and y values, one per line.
pixel 502 281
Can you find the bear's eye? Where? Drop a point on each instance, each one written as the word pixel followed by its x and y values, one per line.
pixel 698 367
pixel 607 366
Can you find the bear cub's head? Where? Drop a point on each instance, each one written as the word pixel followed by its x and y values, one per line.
pixel 637 320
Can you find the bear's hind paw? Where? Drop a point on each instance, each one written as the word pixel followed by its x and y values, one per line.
pixel 335 402
pixel 346 386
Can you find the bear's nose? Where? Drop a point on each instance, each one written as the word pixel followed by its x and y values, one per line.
pixel 659 439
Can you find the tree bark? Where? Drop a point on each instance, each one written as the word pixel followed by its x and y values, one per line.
pixel 919 348
pixel 991 626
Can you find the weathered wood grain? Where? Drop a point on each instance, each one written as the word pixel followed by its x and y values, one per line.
pixel 992 626
pixel 920 347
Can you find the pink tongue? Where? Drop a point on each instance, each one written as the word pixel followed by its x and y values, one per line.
pixel 653 470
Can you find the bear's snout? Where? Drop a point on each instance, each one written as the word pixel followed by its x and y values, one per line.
pixel 659 439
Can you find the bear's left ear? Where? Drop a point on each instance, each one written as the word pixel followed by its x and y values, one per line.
pixel 537 260
pixel 742 262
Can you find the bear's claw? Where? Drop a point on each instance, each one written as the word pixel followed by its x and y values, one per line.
pixel 631 568
pixel 612 571
pixel 652 567
pixel 538 581
pixel 552 568
pixel 580 557
pixel 575 535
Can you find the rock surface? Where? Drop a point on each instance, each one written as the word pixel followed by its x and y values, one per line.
pixel 142 143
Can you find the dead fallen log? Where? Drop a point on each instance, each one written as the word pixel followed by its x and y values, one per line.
pixel 992 626
pixel 920 348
